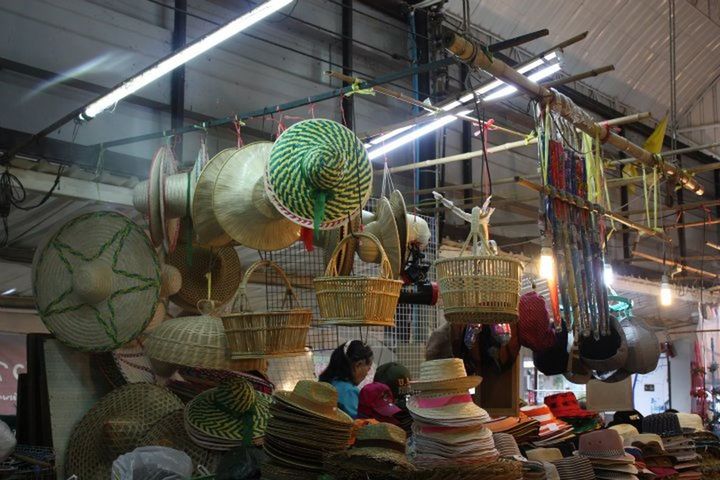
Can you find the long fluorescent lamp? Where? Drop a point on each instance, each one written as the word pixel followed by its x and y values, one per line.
pixel 405 139
pixel 535 77
pixel 181 57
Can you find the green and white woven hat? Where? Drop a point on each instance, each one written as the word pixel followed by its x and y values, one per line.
pixel 96 281
pixel 318 174
pixel 232 412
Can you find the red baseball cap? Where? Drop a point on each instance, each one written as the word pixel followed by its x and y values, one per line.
pixel 376 399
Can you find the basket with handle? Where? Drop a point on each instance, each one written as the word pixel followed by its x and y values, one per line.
pixel 269 333
pixel 357 300
pixel 483 287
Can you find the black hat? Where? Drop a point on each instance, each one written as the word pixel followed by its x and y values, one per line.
pixel 663 424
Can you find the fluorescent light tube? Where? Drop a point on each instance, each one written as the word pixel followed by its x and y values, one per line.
pixel 535 77
pixel 9 292
pixel 390 134
pixel 405 139
pixel 183 56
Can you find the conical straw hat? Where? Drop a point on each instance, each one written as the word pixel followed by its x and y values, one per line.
pixel 96 281
pixel 224 268
pixel 385 229
pixel 191 341
pixel 318 174
pixel 241 205
pixel 397 204
pixel 116 424
pixel 207 230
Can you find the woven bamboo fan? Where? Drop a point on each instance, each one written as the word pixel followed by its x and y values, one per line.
pixel 358 300
pixel 483 287
pixel 270 333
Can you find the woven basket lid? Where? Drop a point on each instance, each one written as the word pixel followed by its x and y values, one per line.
pixel 116 424
pixel 233 411
pixel 223 265
pixel 399 210
pixel 96 281
pixel 207 230
pixel 319 174
pixel 385 229
pixel 190 341
pixel 241 205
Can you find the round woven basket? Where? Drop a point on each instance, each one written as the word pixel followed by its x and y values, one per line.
pixel 270 333
pixel 482 287
pixel 358 300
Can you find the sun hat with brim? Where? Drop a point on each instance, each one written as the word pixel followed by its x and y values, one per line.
pixel 663 424
pixel 223 266
pixel 385 230
pixel 116 424
pixel 318 174
pixel 207 231
pixel 645 438
pixel 197 341
pixel 444 374
pixel 382 442
pixel 625 430
pixel 608 352
pixel 149 198
pixel 575 468
pixel 234 411
pixel 129 364
pixel 457 406
pixel 319 399
pixel 452 435
pixel 170 431
pixel 241 206
pixel 690 422
pixel 506 445
pixel 544 454
pixel 96 281
pixel 604 445
pixel 399 210
pixel 565 404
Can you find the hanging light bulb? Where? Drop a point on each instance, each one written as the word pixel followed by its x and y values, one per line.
pixel 547 263
pixel 608 274
pixel 666 295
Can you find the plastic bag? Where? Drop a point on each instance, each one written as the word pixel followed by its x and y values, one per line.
pixel 152 463
pixel 7 441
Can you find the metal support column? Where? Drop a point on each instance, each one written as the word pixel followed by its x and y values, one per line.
pixel 348 103
pixel 177 79
pixel 427 143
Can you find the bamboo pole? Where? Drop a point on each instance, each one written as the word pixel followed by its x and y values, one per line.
pixel 473 54
pixel 669 153
pixel 679 208
pixel 673 263
pixel 693 224
pixel 584 204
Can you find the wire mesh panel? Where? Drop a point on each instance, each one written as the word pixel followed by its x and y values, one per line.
pixel 404 343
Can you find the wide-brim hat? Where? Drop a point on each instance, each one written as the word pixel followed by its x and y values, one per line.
pixel 444 374
pixel 315 398
pixel 127 364
pixel 625 430
pixel 223 265
pixel 318 174
pixel 604 447
pixel 116 424
pixel 206 228
pixel 399 210
pixel 565 404
pixel 191 341
pixel 643 348
pixel 544 454
pixel 383 443
pixel 385 230
pixel 232 412
pixel 241 205
pixel 446 407
pixel 170 431
pixel 690 422
pixel 575 468
pixel 608 352
pixel 96 281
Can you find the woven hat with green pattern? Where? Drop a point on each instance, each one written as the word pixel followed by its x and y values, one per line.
pixel 233 412
pixel 318 174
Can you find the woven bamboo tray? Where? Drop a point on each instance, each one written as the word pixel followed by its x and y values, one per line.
pixel 357 301
pixel 482 287
pixel 271 333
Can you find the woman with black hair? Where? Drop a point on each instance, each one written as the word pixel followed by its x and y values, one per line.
pixel 348 367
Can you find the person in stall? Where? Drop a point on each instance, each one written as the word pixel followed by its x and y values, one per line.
pixel 349 364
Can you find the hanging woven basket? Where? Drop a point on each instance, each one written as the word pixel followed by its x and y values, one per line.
pixel 271 333
pixel 483 287
pixel 355 301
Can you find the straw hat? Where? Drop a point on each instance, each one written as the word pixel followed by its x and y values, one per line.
pixel 96 281
pixel 170 431
pixel 318 174
pixel 233 412
pixel 444 374
pixel 378 444
pixel 224 267
pixel 575 468
pixel 316 398
pixel 191 341
pixel 329 239
pixel 241 205
pixel 116 424
pixel 127 364
pixel 170 281
pixel 207 230
pixel 625 430
pixel 604 445
pixel 544 454
pixel 399 210
pixel 459 406
pixel 506 445
pixel 385 229
pixel 690 422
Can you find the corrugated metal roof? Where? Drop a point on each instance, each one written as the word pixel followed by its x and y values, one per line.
pixel 632 35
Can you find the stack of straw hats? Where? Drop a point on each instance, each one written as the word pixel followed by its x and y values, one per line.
pixel 575 468
pixel 654 456
pixel 194 381
pixel 545 456
pixel 229 416
pixel 448 426
pixel 552 430
pixel 667 425
pixel 606 452
pixel 508 449
pixel 565 406
pixel 523 428
pixel 305 424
